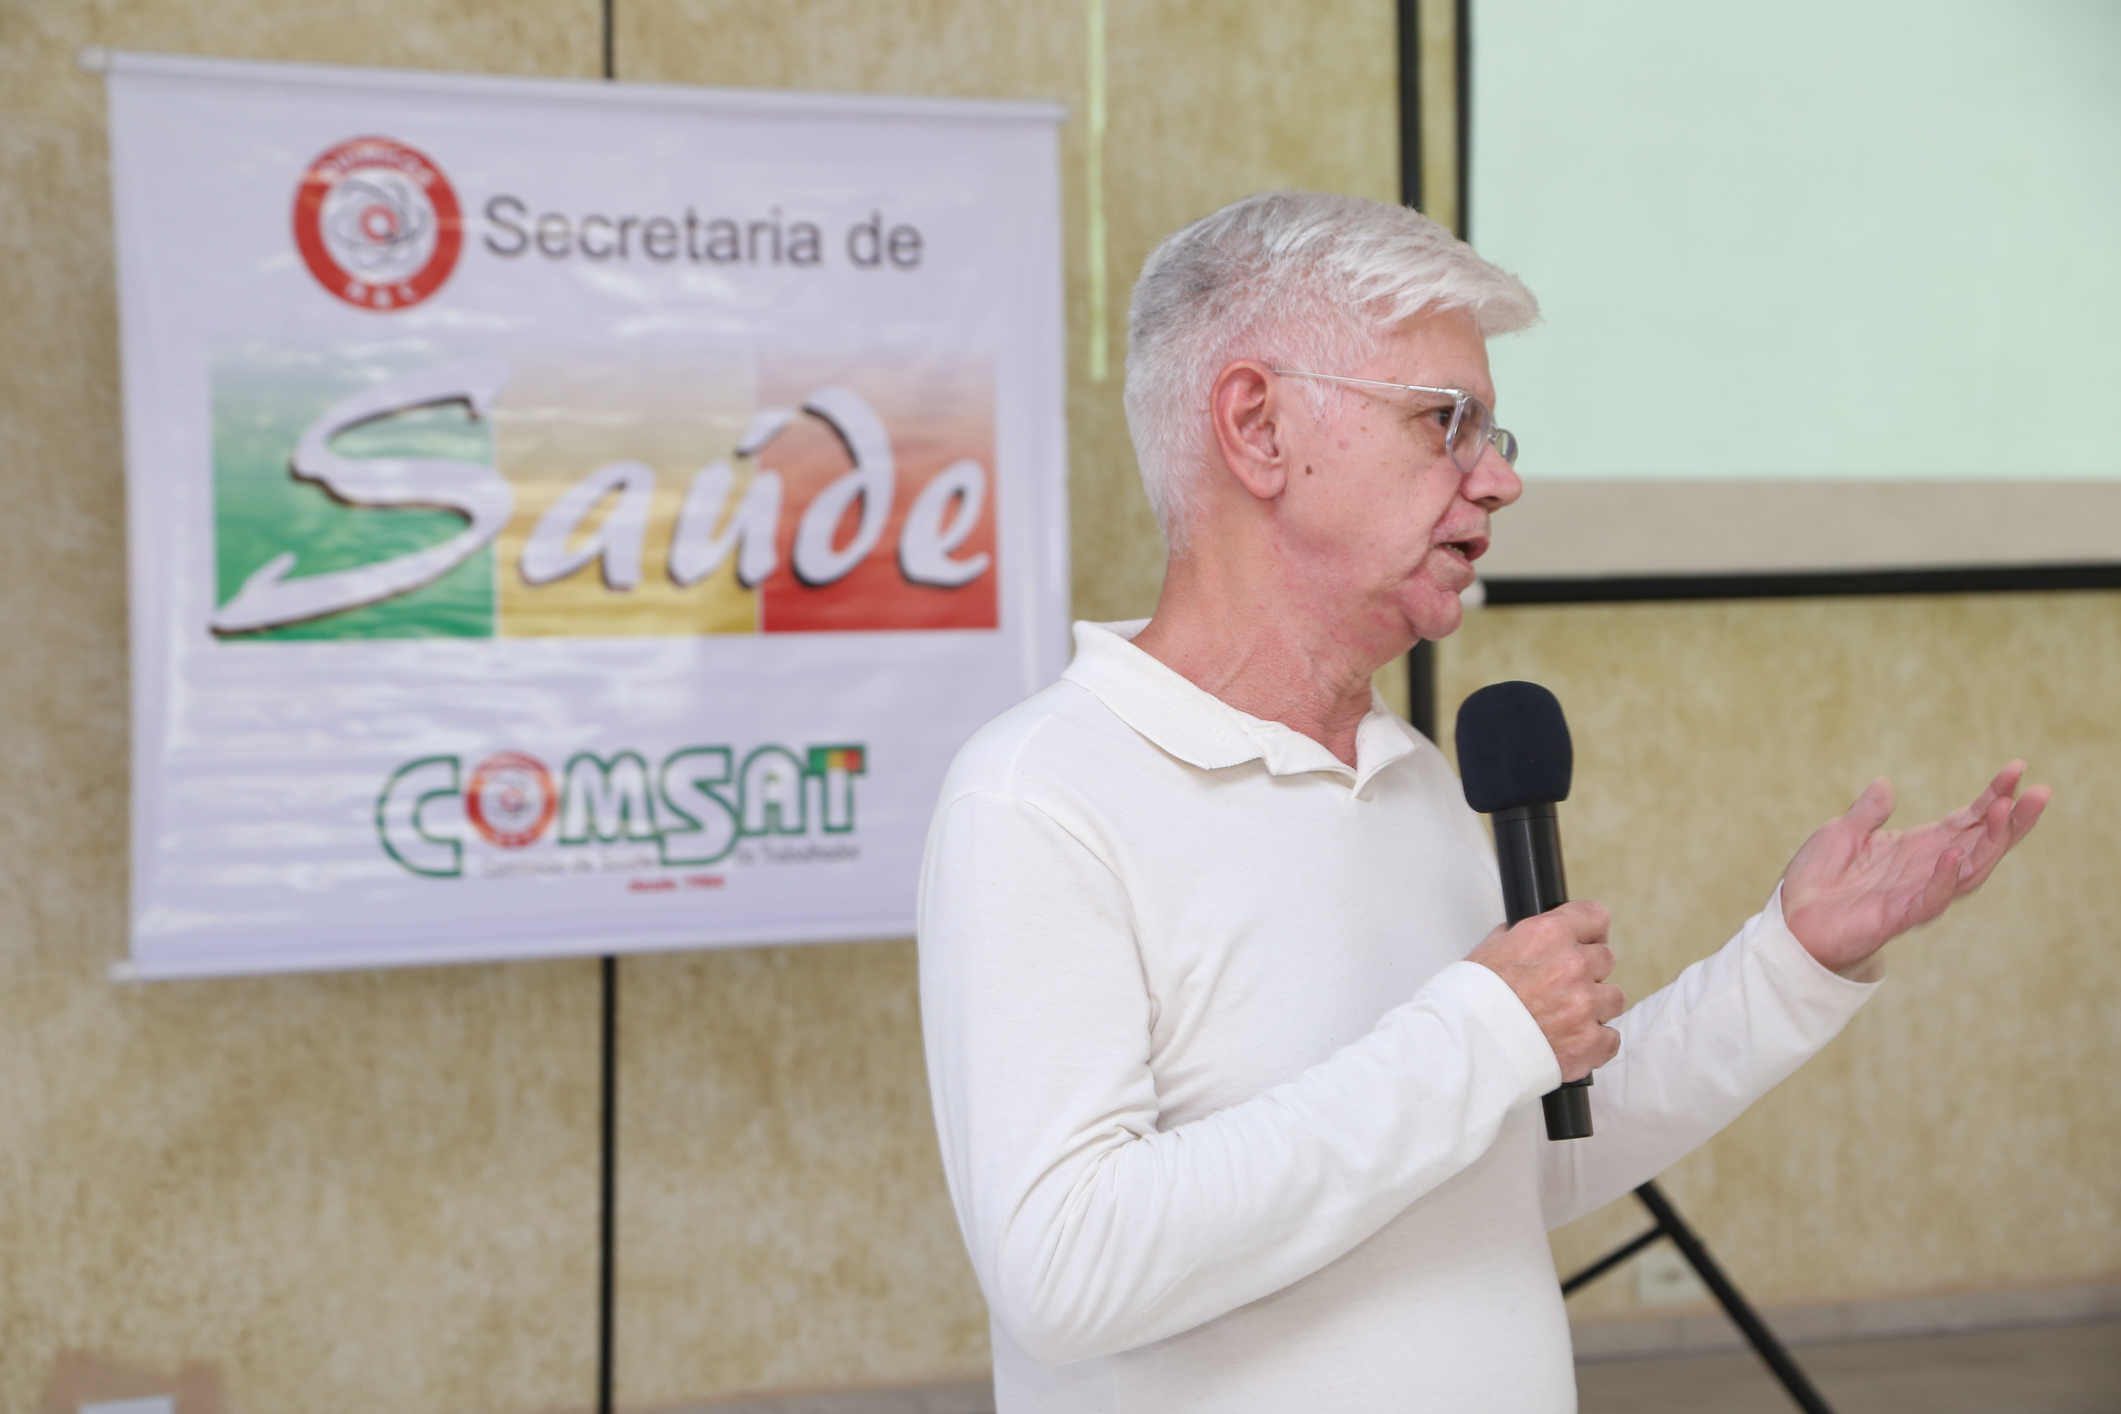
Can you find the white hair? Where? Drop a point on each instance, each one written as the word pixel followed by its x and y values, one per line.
pixel 1294 279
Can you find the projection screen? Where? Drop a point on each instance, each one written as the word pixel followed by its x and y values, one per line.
pixel 1828 285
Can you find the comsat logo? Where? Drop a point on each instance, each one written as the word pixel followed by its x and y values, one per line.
pixel 696 806
pixel 377 223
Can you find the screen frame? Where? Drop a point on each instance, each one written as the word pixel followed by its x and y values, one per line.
pixel 1974 561
pixel 1454 191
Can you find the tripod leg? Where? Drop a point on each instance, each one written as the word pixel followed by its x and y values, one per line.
pixel 1734 1305
pixel 1610 1260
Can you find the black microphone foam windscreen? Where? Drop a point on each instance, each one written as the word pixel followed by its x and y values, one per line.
pixel 1513 747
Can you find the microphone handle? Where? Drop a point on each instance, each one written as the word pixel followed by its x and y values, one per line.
pixel 1528 847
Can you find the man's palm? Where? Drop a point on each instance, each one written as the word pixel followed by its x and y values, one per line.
pixel 1855 885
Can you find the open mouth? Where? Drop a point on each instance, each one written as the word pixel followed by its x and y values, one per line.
pixel 1468 550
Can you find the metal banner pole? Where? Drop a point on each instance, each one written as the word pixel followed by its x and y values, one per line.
pixel 1741 1312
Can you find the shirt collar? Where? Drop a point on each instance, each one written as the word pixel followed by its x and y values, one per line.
pixel 1203 730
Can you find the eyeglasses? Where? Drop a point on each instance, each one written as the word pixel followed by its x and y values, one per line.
pixel 1472 426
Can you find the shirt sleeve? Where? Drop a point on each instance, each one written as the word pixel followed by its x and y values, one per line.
pixel 1693 1056
pixel 1092 1229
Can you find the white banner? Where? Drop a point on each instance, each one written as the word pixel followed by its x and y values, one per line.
pixel 569 517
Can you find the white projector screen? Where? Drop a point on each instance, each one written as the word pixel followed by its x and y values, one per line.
pixel 1828 285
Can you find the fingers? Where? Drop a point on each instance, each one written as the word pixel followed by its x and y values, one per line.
pixel 2003 787
pixel 2026 812
pixel 1587 922
pixel 1942 887
pixel 1992 836
pixel 1582 1049
pixel 2007 823
pixel 1598 1048
pixel 1557 963
pixel 1872 808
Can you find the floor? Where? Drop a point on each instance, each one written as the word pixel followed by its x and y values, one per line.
pixel 2044 1370
pixel 2047 1370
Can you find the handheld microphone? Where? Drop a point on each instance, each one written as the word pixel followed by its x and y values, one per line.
pixel 1515 758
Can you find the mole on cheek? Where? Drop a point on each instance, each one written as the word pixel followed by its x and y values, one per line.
pixel 1307 468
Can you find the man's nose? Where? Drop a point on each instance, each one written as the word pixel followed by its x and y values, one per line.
pixel 1493 482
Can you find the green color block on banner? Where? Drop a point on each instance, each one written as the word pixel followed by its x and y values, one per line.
pixel 263 400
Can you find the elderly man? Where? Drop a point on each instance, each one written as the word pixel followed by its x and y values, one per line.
pixel 1232 1058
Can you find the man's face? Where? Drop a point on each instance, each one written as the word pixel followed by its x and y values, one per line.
pixel 1381 525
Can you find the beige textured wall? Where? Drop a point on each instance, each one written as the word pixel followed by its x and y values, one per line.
pixel 320 1193
pixel 1961 1134
pixel 378 1191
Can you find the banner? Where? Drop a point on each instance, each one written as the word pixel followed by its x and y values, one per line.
pixel 569 517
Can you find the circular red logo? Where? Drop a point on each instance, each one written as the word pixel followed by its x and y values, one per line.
pixel 511 799
pixel 377 223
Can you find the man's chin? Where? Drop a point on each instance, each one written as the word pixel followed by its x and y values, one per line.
pixel 1437 617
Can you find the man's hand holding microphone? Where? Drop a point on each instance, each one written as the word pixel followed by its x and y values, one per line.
pixel 1557 963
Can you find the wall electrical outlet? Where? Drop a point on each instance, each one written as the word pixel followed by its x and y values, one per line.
pixel 1663 1278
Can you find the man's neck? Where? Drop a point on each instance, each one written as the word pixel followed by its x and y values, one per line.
pixel 1255 647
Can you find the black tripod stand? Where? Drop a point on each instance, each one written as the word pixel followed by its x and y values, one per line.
pixel 1670 1224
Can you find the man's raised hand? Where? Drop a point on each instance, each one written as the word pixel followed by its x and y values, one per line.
pixel 1557 963
pixel 1855 885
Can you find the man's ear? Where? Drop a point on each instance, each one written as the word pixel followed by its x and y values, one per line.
pixel 1249 414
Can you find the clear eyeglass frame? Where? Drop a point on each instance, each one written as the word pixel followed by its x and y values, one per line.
pixel 1465 437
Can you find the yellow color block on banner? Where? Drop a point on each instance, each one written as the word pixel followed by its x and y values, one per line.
pixel 602 447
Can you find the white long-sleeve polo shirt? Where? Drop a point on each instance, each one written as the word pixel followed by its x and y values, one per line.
pixel 1229 1122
